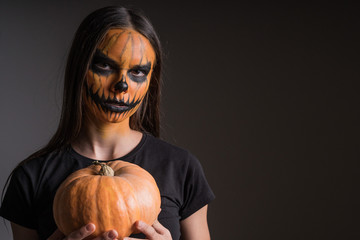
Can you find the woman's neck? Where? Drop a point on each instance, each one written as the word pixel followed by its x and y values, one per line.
pixel 106 141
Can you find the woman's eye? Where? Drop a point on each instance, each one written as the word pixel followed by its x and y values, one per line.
pixel 137 73
pixel 103 66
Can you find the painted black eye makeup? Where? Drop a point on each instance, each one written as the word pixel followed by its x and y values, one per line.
pixel 138 73
pixel 102 64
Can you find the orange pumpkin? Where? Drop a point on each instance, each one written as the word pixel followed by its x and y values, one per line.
pixel 112 196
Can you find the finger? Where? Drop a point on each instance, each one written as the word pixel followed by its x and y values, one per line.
pixel 159 228
pixel 82 232
pixel 110 235
pixel 146 229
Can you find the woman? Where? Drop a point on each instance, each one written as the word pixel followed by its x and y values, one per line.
pixel 110 112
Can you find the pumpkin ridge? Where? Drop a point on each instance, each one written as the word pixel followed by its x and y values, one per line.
pixel 96 200
pixel 130 173
pixel 113 215
pixel 121 203
pixel 85 191
pixel 131 217
pixel 130 195
pixel 75 190
pixel 107 205
pixel 70 188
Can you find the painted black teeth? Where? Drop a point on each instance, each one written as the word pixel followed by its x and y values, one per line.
pixel 102 102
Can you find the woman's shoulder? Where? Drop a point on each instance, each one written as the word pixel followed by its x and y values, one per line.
pixel 44 171
pixel 36 162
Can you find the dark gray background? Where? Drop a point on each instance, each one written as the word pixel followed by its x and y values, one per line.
pixel 265 95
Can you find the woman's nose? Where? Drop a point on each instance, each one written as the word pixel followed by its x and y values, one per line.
pixel 121 86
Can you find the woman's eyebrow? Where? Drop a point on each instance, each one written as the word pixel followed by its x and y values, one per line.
pixel 144 67
pixel 100 56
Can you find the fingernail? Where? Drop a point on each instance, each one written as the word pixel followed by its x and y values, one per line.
pixel 90 227
pixel 112 234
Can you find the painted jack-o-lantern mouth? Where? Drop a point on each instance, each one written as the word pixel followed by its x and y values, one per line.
pixel 111 104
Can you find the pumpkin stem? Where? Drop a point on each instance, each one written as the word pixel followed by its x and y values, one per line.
pixel 105 170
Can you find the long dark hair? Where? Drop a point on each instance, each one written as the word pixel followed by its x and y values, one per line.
pixel 89 34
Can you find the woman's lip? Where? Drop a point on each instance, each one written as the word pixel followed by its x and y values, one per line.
pixel 120 103
pixel 117 107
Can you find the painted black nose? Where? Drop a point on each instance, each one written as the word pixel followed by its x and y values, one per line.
pixel 121 86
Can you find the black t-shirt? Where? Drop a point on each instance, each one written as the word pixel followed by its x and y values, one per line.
pixel 183 187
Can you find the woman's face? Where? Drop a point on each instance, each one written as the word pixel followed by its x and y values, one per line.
pixel 119 75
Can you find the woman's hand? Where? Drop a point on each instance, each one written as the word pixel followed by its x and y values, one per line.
pixel 83 233
pixel 154 232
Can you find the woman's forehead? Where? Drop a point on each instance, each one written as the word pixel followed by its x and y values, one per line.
pixel 127 44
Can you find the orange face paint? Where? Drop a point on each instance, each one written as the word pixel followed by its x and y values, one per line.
pixel 119 75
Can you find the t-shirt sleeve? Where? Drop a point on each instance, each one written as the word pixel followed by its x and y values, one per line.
pixel 197 192
pixel 18 200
